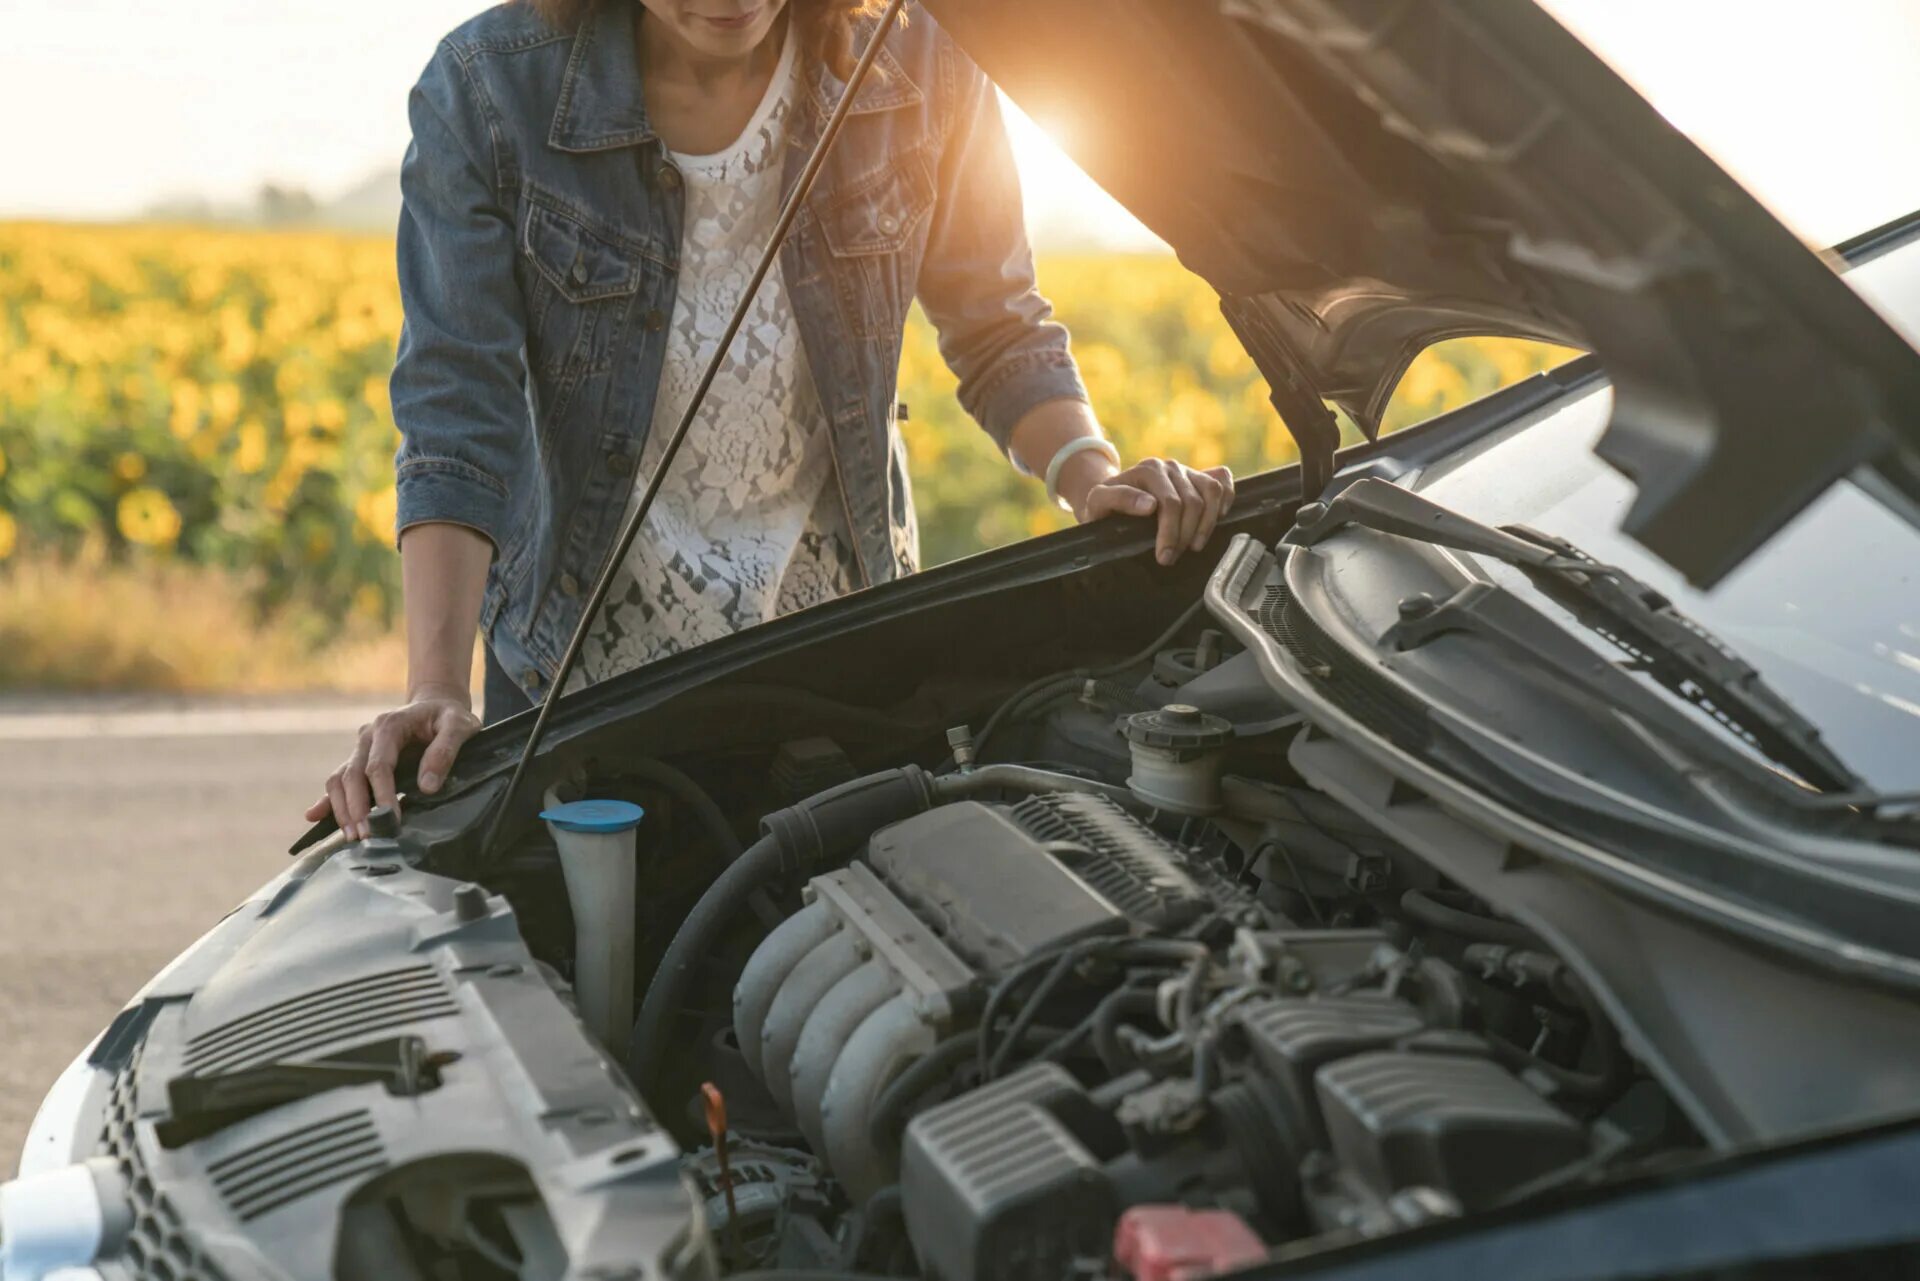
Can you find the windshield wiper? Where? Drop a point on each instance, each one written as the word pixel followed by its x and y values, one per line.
pixel 1674 650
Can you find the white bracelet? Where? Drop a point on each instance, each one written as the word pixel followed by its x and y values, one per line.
pixel 1068 450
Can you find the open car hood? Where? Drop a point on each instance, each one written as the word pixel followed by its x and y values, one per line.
pixel 1361 178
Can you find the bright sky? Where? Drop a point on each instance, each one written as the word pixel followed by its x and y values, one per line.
pixel 109 105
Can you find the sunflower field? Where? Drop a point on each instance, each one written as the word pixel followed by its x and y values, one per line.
pixel 218 397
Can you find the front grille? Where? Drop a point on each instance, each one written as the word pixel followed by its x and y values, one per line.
pixel 159 1248
pixel 306 1024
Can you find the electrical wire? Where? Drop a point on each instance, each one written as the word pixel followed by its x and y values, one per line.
pixel 1077 675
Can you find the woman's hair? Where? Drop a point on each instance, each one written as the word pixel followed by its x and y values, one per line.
pixel 825 25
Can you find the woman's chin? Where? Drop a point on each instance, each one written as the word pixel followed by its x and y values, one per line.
pixel 730 39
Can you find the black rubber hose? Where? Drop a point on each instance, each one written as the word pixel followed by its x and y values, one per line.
pixel 1106 1025
pixel 1426 907
pixel 682 788
pixel 1613 1069
pixel 798 840
pixel 890 1111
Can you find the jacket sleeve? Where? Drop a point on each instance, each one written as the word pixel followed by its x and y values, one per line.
pixel 458 387
pixel 976 281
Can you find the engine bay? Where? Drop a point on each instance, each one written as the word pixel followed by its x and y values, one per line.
pixel 1103 986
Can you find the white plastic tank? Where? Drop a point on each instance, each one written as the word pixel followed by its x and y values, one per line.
pixel 596 842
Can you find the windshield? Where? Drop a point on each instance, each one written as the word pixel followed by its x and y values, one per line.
pixel 1828 610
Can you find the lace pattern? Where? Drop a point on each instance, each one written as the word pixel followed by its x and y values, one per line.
pixel 749 523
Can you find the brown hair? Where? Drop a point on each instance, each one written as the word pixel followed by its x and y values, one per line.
pixel 825 25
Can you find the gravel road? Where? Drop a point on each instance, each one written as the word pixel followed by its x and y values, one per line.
pixel 126 831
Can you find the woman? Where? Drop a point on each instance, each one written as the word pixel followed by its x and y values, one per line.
pixel 587 190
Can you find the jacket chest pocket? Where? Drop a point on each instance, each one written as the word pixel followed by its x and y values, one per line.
pixel 580 280
pixel 875 229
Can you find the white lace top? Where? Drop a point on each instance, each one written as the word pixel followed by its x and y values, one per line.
pixel 749 522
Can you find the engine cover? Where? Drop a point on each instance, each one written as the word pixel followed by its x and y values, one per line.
pixel 994 891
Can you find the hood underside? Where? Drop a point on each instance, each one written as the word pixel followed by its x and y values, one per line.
pixel 1361 178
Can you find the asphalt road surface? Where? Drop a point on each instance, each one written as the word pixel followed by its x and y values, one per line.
pixel 125 833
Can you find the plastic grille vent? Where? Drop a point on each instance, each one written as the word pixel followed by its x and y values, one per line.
pixel 1344 678
pixel 160 1247
pixel 268 1175
pixel 1116 854
pixel 1311 1031
pixel 1271 614
pixel 305 1024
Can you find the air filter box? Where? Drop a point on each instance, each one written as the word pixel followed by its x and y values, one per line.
pixel 998 1188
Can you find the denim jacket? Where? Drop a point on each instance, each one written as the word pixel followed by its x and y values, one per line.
pixel 538 250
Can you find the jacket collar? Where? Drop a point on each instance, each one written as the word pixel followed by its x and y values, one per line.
pixel 601 105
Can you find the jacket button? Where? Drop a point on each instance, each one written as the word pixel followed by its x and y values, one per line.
pixel 579 271
pixel 669 178
pixel 569 585
pixel 620 464
pixel 889 224
pixel 531 678
pixel 656 320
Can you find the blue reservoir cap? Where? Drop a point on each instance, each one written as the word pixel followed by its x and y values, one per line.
pixel 594 816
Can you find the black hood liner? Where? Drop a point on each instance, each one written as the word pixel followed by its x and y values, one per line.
pixel 1361 178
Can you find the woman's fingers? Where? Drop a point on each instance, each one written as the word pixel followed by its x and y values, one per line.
pixel 391 733
pixel 453 726
pixel 1193 507
pixel 353 783
pixel 1216 491
pixel 1152 476
pixel 319 809
pixel 1187 503
pixel 337 799
pixel 1117 498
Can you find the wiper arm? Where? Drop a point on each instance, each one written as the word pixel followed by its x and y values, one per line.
pixel 1677 652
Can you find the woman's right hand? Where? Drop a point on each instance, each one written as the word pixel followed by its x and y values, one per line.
pixel 441 719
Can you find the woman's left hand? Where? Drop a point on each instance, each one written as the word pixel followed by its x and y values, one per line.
pixel 1189 502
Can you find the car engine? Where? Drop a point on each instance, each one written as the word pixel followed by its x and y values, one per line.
pixel 1139 996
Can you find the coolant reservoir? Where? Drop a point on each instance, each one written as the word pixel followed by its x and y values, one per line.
pixel 1176 758
pixel 596 843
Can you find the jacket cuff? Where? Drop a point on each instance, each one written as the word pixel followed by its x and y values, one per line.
pixel 1021 384
pixel 449 491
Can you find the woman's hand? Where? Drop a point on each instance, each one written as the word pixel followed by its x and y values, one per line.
pixel 1188 502
pixel 442 719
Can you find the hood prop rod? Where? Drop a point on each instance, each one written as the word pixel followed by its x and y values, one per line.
pixel 603 584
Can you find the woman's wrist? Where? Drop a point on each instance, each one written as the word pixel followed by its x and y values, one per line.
pixel 426 690
pixel 1080 474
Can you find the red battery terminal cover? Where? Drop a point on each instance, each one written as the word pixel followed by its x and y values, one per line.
pixel 1173 1243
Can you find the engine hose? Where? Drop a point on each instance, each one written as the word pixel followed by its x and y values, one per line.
pixel 1106 1025
pixel 1078 674
pixel 1121 950
pixel 800 839
pixel 890 1112
pixel 1604 1080
pixel 1425 906
pixel 677 784
pixel 1024 1019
